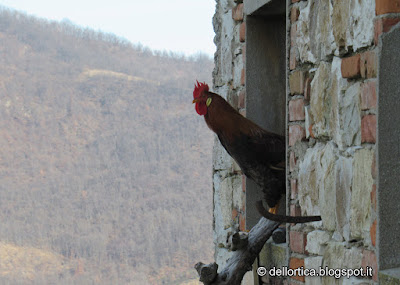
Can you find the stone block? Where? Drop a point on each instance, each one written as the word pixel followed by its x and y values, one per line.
pixel 325 28
pixel 317 241
pixel 314 262
pixel 347 126
pixel 344 175
pixel 316 184
pixel 321 100
pixel 360 220
pixel 337 255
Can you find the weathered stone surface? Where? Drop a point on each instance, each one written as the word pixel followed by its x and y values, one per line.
pixel 360 221
pixel 353 25
pixel 237 71
pixel 320 102
pixel 344 174
pixel 348 127
pixel 328 27
pixel 317 241
pixel 338 256
pixel 315 39
pixel 223 193
pixel 225 53
pixel 313 262
pixel 316 188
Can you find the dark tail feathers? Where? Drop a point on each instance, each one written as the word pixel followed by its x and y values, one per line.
pixel 285 219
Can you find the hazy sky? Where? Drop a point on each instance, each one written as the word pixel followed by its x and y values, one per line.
pixel 177 25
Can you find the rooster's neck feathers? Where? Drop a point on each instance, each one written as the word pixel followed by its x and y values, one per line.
pixel 224 120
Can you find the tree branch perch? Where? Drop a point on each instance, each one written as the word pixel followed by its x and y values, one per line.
pixel 242 260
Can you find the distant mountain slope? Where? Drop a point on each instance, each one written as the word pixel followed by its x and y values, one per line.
pixel 103 161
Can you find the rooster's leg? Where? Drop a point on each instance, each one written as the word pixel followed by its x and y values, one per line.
pixel 274 210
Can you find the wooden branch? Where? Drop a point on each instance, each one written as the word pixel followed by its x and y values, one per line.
pixel 242 260
pixel 238 240
pixel 207 273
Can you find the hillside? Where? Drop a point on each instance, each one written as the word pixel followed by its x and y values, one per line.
pixel 105 168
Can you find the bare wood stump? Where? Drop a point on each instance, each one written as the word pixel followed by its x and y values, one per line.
pixel 242 259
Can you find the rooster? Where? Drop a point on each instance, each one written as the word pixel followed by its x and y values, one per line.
pixel 259 153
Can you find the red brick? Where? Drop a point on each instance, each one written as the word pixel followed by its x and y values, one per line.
pixel 293 188
pixel 237 12
pixel 310 130
pixel 235 213
pixel 295 210
pixel 244 54
pixel 294 14
pixel 296 82
pixel 307 89
pixel 383 25
pixel 351 66
pixel 368 64
pixel 297 263
pixel 372 232
pixel 387 6
pixel 368 129
pixel 292 58
pixel 298 241
pixel 243 77
pixel 242 32
pixel 242 98
pixel 369 259
pixel 242 222
pixel 293 35
pixel 296 133
pixel 373 168
pixel 296 110
pixel 368 95
pixel 373 197
pixel 292 161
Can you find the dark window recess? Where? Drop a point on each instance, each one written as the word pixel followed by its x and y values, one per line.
pixel 265 78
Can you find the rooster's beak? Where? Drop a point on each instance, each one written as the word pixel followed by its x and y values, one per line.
pixel 195 100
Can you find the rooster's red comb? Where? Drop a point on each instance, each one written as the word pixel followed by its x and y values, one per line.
pixel 199 88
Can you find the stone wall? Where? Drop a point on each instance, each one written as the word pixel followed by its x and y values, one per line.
pixel 228 81
pixel 332 93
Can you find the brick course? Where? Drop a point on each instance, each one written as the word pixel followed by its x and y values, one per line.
pixel 296 110
pixel 368 129
pixel 296 133
pixel 368 95
pixel 387 6
pixel 237 12
pixel 351 66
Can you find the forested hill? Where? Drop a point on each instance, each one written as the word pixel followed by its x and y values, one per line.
pixel 105 168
